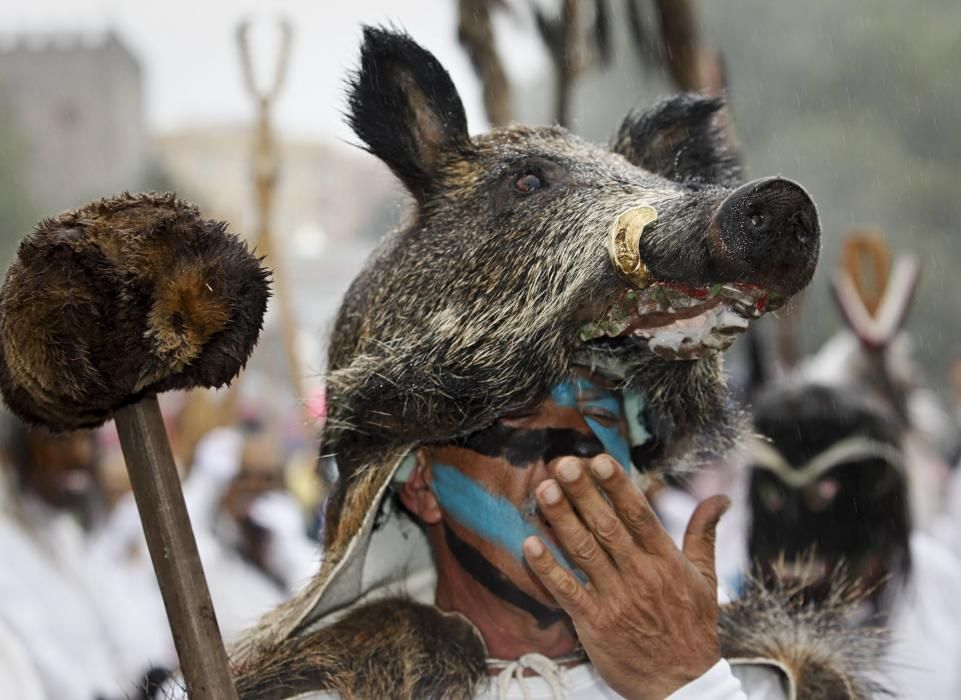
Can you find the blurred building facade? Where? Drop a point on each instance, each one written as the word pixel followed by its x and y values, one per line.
pixel 77 104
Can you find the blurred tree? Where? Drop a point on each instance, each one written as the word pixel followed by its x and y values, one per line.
pixel 475 32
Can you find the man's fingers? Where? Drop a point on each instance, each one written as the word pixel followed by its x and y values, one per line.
pixel 575 539
pixel 566 589
pixel 631 505
pixel 594 510
pixel 701 535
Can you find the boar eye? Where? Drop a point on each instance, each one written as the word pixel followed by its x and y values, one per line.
pixel 758 220
pixel 528 183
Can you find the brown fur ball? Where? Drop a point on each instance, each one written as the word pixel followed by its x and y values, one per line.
pixel 123 298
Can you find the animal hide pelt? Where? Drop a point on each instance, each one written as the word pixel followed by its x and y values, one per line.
pixel 824 655
pixel 393 648
pixel 399 649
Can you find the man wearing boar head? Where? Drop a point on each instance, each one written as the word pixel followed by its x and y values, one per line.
pixel 540 338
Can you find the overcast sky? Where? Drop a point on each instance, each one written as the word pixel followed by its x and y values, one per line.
pixel 190 57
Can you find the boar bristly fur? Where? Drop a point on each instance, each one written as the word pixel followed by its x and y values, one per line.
pixel 682 138
pixel 471 310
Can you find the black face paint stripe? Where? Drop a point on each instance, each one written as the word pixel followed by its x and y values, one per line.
pixel 521 447
pixel 494 580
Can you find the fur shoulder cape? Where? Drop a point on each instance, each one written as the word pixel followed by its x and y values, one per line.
pixel 398 648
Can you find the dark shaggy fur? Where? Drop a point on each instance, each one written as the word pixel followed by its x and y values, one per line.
pixel 472 310
pixel 399 649
pixel 122 298
pixel 827 658
pixel 682 139
pixel 393 649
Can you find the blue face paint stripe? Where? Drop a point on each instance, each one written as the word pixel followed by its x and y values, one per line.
pixel 566 394
pixel 563 395
pixel 491 517
pixel 614 443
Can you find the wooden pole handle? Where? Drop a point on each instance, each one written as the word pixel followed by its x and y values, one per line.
pixel 173 551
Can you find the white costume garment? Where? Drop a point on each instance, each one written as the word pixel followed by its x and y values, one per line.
pixel 924 659
pixel 674 508
pixel 947 526
pixel 720 682
pixel 71 614
pixel 18 676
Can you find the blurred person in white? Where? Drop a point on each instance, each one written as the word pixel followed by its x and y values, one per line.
pixel 250 532
pixel 947 526
pixel 66 606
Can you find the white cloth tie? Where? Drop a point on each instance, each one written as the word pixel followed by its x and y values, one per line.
pixel 547 669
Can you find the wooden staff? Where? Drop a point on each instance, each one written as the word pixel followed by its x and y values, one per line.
pixel 266 162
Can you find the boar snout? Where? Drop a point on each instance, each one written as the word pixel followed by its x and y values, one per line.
pixel 767 231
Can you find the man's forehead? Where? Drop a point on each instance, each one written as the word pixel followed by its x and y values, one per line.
pixel 571 395
pixel 549 413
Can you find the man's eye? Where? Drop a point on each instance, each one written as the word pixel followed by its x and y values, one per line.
pixel 528 183
pixel 601 416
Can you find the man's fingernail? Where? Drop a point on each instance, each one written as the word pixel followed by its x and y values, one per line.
pixel 551 493
pixel 603 467
pixel 534 547
pixel 569 470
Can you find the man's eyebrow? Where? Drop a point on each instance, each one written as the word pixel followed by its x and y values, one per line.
pixel 522 447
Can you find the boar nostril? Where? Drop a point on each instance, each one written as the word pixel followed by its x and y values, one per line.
pixel 801 226
pixel 758 220
pixel 768 228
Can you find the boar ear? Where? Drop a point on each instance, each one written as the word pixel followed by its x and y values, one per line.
pixel 404 106
pixel 681 138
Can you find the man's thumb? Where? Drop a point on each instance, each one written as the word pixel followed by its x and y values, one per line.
pixel 701 534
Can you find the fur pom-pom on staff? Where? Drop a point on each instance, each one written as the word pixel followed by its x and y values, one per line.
pixel 106 306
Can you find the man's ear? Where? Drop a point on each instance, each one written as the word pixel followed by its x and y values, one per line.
pixel 404 106
pixel 416 494
pixel 683 139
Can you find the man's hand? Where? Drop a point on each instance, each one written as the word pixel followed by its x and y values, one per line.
pixel 647 615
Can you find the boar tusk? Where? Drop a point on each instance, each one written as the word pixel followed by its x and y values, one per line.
pixel 624 246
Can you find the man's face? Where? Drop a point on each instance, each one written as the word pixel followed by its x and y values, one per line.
pixel 485 483
pixel 61 467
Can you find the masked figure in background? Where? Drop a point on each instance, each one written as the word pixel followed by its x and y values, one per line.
pixel 79 624
pixel 501 376
pixel 828 488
